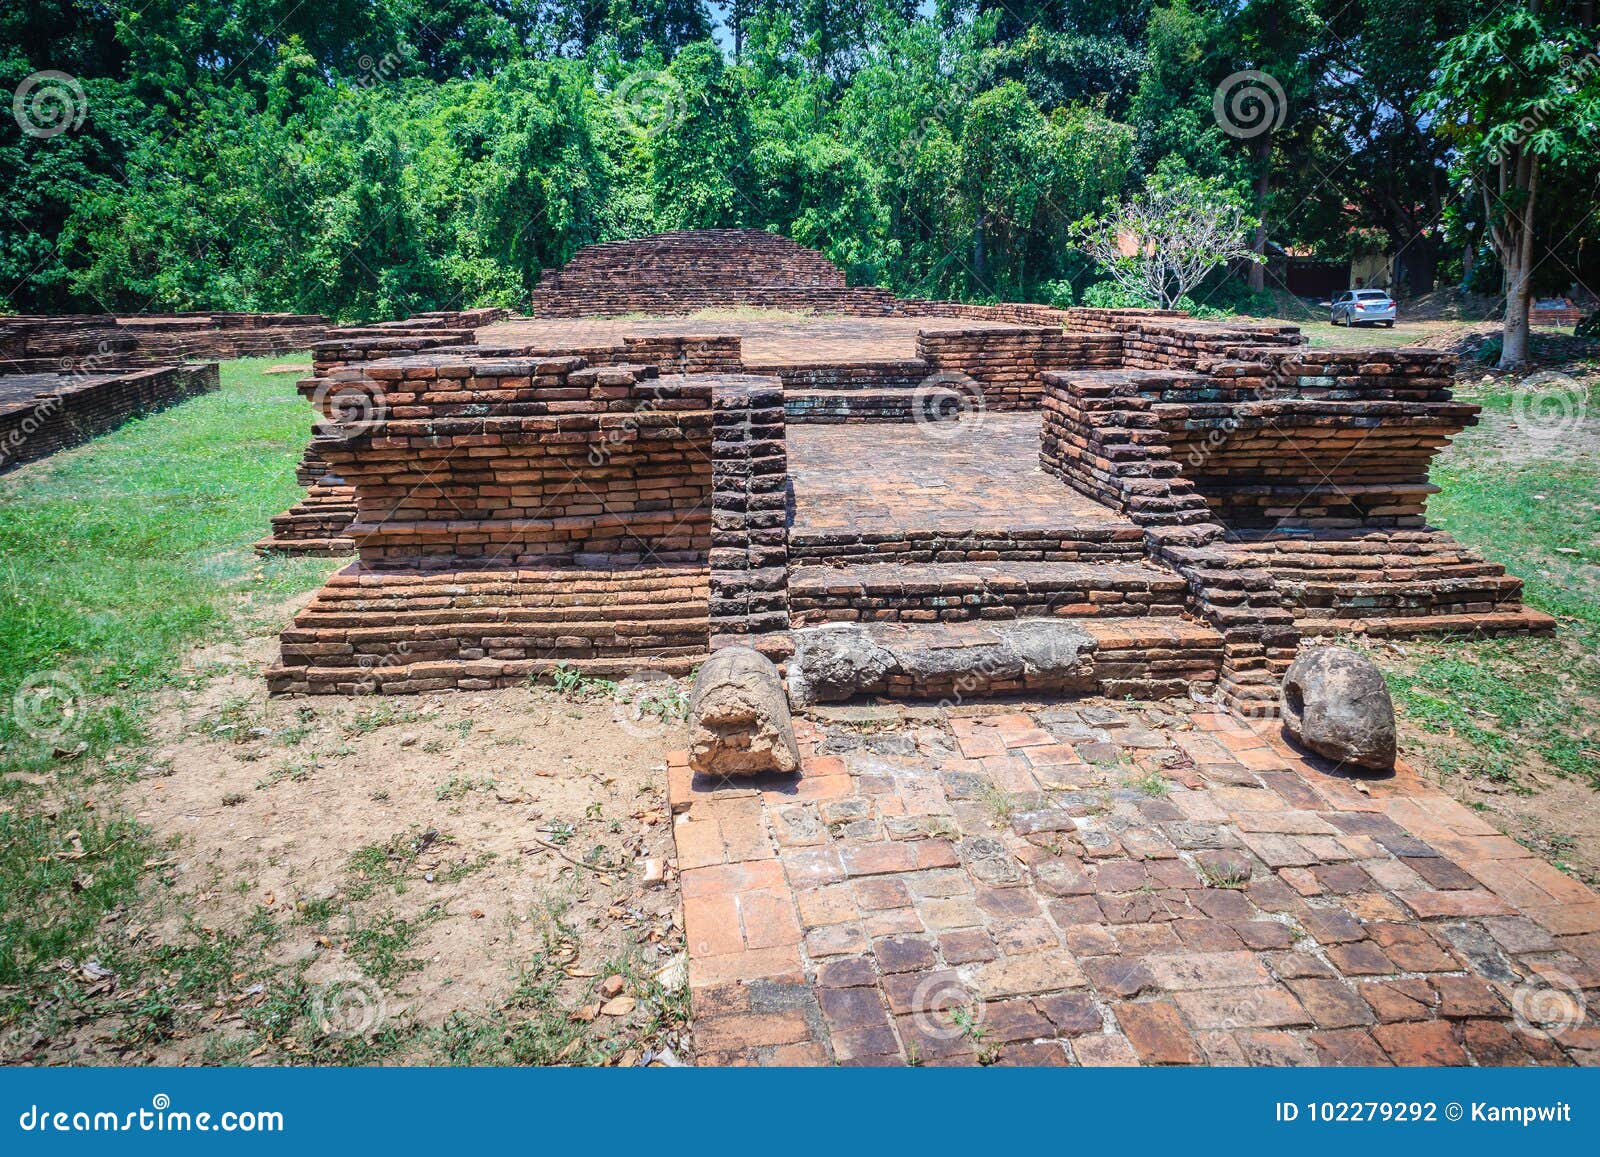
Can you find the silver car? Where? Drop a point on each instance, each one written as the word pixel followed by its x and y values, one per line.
pixel 1363 307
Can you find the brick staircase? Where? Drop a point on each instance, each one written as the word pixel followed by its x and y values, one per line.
pixel 396 632
pixel 981 576
pixel 1401 583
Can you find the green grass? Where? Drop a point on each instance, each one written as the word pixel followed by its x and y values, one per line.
pixel 1518 702
pixel 115 558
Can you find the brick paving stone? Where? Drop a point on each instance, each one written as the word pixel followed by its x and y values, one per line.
pixel 1331 1003
pixel 1412 949
pixel 1108 1050
pixel 1260 912
pixel 1398 1000
pixel 1025 936
pixel 1207 935
pixel 1518 934
pixel 880 892
pixel 1036 972
pixel 1267 1006
pixel 867 1046
pixel 852 1009
pixel 1072 1013
pixel 1085 940
pixel 853 972
pixel 1007 903
pixel 1119 976
pixel 1420 1043
pixel 904 954
pixel 954 912
pixel 932 992
pixel 1033 1054
pixel 967 946
pixel 1007 1021
pixel 1361 958
pixel 836 940
pixel 1492 1043
pixel 1193 970
pixel 1332 926
pixel 1350 1047
pixel 1264 934
pixel 1463 997
pixel 1157 1033
pixel 1293 965
pixel 1223 904
pixel 1280 1049
pixel 893 922
pixel 931 1040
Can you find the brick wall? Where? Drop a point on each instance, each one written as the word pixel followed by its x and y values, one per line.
pixel 1006 365
pixel 43 413
pixel 749 534
pixel 527 461
pixel 688 270
pixel 99 342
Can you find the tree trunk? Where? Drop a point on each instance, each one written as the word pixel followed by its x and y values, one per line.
pixel 1422 265
pixel 1519 278
pixel 1258 269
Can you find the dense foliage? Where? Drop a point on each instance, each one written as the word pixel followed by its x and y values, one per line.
pixel 366 158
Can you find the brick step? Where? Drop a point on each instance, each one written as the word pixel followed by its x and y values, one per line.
pixel 953 592
pixel 1522 621
pixel 421 631
pixel 1360 599
pixel 934 404
pixel 1141 656
pixel 307 547
pixel 1090 542
pixel 467 675
pixel 1331 570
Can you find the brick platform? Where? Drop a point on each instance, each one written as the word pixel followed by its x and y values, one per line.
pixel 1091 464
pixel 43 413
pixel 1115 885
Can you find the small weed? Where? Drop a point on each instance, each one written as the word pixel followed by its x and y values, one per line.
pixel 459 786
pixel 1151 783
pixel 1001 803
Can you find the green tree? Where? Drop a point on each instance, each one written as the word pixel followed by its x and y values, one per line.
pixel 1518 98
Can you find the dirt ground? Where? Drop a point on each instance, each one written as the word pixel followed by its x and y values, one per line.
pixel 490 868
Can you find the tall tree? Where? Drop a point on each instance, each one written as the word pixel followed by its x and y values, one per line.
pixel 1518 97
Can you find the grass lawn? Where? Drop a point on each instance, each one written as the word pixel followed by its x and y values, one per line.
pixel 115 558
pixel 118 559
pixel 1501 722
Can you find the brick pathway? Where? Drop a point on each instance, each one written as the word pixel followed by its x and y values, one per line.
pixel 1109 885
pixel 766 342
pixel 894 477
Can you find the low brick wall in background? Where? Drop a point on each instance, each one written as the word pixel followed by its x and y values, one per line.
pixel 43 413
pixel 100 342
pixel 1007 365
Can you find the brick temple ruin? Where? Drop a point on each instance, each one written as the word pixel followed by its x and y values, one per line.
pixel 1017 497
pixel 67 378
